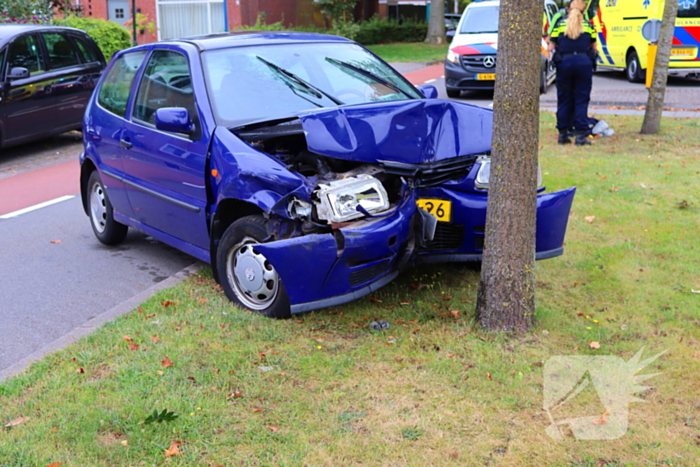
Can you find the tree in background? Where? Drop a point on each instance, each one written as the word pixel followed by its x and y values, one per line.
pixel 657 92
pixel 27 11
pixel 506 298
pixel 436 25
pixel 338 10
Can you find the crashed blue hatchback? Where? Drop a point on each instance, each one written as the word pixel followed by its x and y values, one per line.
pixel 302 167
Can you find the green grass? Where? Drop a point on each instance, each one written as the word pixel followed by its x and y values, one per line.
pixel 322 389
pixel 410 52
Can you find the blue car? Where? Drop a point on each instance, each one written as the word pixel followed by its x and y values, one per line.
pixel 302 167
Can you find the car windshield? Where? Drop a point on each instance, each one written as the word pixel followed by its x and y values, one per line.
pixel 480 20
pixel 249 84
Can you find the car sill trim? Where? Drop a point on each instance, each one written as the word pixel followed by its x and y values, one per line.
pixel 167 198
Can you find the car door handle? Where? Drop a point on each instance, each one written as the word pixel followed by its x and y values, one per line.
pixel 125 143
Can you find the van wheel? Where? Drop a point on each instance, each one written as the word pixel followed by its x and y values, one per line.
pixel 247 277
pixel 633 70
pixel 453 93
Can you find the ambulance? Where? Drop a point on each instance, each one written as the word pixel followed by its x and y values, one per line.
pixel 624 29
pixel 471 57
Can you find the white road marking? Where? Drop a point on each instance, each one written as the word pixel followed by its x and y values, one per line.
pixel 36 206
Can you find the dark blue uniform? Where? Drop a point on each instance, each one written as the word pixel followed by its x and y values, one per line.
pixel 574 77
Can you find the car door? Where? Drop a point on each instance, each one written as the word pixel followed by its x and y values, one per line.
pixel 105 122
pixel 165 171
pixel 73 78
pixel 28 104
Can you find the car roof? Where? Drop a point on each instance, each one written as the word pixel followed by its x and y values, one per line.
pixel 248 38
pixel 483 4
pixel 8 31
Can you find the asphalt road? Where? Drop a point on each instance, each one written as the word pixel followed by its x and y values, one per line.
pixel 54 274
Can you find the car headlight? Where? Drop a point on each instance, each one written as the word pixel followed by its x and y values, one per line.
pixel 452 57
pixel 484 174
pixel 350 198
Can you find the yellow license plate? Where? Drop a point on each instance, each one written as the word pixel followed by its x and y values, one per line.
pixel 684 51
pixel 437 207
pixel 486 76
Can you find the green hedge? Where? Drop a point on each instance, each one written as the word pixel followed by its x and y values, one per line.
pixel 373 31
pixel 109 36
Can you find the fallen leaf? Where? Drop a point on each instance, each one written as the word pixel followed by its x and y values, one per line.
pixel 488 375
pixel 455 313
pixel 56 241
pixel 601 420
pixel 235 395
pixel 155 339
pixel 17 421
pixel 589 219
pixel 173 449
pixel 453 454
pixel 447 297
pixel 166 362
pixel 80 370
pixel 203 300
pixel 167 303
pixel 55 464
pixel 161 373
pixel 398 359
pixel 273 428
pixel 149 316
pixel 133 346
pixel 375 300
pixel 127 338
pixel 594 345
pixel 257 409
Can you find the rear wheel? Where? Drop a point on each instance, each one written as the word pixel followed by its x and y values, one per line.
pixel 106 229
pixel 247 277
pixel 633 69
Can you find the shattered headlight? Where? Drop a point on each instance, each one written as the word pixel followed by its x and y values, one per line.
pixel 484 174
pixel 351 198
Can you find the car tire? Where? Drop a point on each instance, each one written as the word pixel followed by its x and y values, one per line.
pixel 453 93
pixel 633 69
pixel 106 229
pixel 247 277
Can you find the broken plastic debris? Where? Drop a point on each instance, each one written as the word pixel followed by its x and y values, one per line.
pixel 379 325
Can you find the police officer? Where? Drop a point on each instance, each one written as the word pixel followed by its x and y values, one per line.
pixel 574 44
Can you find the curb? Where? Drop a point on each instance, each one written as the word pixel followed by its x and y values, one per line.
pixel 93 324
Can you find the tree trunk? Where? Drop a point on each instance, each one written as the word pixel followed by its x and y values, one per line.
pixel 506 298
pixel 657 92
pixel 436 25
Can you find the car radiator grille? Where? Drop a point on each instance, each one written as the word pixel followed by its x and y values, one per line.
pixel 476 63
pixel 447 237
pixel 432 173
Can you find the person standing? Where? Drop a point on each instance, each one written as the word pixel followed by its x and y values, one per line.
pixel 574 45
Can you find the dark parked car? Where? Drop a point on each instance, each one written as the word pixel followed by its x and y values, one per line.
pixel 47 74
pixel 306 170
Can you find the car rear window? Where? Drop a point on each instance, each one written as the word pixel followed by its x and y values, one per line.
pixel 116 88
pixel 86 51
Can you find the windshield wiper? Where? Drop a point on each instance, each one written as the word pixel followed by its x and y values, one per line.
pixel 368 74
pixel 310 88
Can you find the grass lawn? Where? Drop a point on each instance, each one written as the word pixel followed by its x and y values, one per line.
pixel 410 52
pixel 322 389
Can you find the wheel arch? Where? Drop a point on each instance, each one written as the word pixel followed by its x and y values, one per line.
pixel 86 168
pixel 227 212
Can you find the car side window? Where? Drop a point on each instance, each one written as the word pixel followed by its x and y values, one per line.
pixel 61 52
pixel 86 51
pixel 25 53
pixel 166 82
pixel 116 88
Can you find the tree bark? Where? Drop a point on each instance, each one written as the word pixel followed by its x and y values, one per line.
pixel 657 92
pixel 436 25
pixel 506 298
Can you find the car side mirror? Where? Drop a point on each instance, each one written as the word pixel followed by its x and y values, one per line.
pixel 18 73
pixel 429 91
pixel 174 119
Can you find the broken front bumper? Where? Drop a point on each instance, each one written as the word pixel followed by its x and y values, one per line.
pixel 322 270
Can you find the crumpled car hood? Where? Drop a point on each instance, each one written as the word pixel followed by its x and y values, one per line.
pixel 414 132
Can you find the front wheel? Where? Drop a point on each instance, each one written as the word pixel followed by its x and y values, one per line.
pixel 453 93
pixel 106 229
pixel 247 277
pixel 633 70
